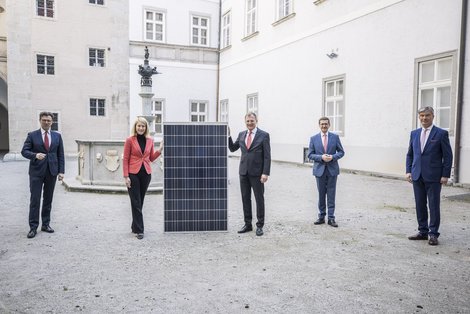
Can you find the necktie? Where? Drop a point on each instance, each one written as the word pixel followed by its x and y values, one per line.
pixel 325 142
pixel 248 141
pixel 46 141
pixel 423 139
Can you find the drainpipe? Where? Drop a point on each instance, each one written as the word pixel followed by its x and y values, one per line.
pixel 218 65
pixel 460 89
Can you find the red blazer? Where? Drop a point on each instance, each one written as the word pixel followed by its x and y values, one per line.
pixel 133 157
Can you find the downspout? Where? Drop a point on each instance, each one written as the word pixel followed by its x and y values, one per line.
pixel 460 89
pixel 218 65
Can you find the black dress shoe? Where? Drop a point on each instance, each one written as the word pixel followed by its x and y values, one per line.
pixel 31 233
pixel 259 231
pixel 245 228
pixel 433 240
pixel 140 236
pixel 319 221
pixel 332 223
pixel 418 236
pixel 47 229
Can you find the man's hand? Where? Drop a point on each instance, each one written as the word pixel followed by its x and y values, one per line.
pixel 264 178
pixel 444 180
pixel 408 177
pixel 60 176
pixel 326 157
pixel 40 156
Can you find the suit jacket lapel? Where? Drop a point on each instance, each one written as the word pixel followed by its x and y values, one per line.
pixel 430 137
pixel 136 145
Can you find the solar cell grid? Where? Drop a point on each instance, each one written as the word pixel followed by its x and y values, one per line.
pixel 195 177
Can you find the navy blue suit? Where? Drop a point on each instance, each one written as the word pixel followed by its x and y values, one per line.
pixel 427 168
pixel 43 173
pixel 254 162
pixel 326 173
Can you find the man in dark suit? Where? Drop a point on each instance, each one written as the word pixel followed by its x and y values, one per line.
pixel 45 150
pixel 325 149
pixel 255 165
pixel 428 166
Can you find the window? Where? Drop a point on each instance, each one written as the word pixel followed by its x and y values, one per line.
pixel 198 111
pixel 435 88
pixel 200 30
pixel 250 17
pixel 284 8
pixel 226 40
pixel 223 110
pixel 45 64
pixel 99 2
pixel 333 105
pixel 55 121
pixel 154 26
pixel 157 112
pixel 45 8
pixel 97 106
pixel 96 57
pixel 252 103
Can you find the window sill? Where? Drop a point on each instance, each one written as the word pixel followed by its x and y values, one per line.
pixel 226 48
pixel 250 36
pixel 317 2
pixel 285 18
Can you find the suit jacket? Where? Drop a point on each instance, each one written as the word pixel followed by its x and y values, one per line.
pixel 316 150
pixel 436 159
pixel 134 158
pixel 55 159
pixel 256 160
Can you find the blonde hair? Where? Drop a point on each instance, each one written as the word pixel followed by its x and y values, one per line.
pixel 143 121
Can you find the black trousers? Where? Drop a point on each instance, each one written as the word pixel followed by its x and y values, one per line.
pixel 139 185
pixel 37 185
pixel 247 183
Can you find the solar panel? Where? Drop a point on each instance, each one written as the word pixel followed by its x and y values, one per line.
pixel 195 177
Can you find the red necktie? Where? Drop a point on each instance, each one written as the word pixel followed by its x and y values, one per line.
pixel 46 141
pixel 248 141
pixel 325 142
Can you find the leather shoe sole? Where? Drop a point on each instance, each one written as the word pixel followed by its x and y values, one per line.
pixel 47 229
pixel 31 234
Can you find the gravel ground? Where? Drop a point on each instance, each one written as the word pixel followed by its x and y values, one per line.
pixel 93 264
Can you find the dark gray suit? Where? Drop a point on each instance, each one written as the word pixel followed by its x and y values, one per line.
pixel 254 162
pixel 43 173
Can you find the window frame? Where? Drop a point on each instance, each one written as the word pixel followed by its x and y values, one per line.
pixel 280 4
pixel 97 115
pixel 338 129
pixel 226 29
pixel 249 13
pixel 97 64
pixel 45 16
pixel 154 23
pixel 95 2
pixel 255 104
pixel 224 114
pixel 200 28
pixel 161 112
pixel 198 112
pixel 46 56
pixel 435 84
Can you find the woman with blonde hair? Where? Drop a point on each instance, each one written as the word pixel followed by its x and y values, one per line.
pixel 138 154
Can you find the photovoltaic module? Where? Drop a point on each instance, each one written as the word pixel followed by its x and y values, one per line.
pixel 195 177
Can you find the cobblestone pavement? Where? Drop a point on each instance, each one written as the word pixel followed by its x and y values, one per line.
pixel 93 264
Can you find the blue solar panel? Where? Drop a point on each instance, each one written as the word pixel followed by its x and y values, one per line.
pixel 195 177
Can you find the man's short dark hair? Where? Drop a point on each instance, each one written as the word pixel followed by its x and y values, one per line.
pixel 251 113
pixel 324 118
pixel 45 114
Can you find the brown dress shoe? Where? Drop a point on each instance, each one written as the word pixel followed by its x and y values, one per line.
pixel 433 240
pixel 418 236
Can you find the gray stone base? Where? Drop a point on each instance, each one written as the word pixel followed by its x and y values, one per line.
pixel 73 185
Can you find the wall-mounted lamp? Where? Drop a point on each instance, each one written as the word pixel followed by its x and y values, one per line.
pixel 332 55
